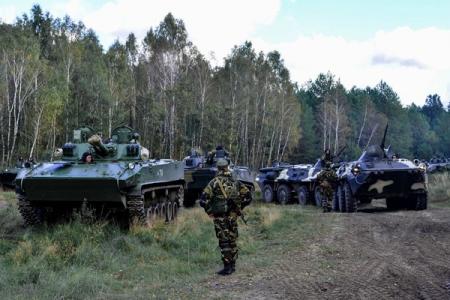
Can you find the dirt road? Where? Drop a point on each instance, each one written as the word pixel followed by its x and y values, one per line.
pixel 375 254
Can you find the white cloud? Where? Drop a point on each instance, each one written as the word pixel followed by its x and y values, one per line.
pixel 414 62
pixel 213 26
pixel 8 13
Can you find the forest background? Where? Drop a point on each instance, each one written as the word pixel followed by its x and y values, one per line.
pixel 55 76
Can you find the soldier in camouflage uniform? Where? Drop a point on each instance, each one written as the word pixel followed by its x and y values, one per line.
pixel 327 180
pixel 223 199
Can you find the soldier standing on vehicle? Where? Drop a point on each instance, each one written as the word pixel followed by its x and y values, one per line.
pixel 327 180
pixel 223 200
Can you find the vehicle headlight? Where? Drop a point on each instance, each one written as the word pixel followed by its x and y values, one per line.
pixel 131 166
pixel 257 179
pixel 422 167
pixel 356 169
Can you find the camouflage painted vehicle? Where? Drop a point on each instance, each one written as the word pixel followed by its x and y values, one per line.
pixel 437 165
pixel 200 170
pixel 120 180
pixel 284 183
pixel 379 174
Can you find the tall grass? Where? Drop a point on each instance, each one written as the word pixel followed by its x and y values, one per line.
pixel 99 260
pixel 439 189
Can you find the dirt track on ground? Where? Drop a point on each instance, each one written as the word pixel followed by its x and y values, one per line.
pixel 374 254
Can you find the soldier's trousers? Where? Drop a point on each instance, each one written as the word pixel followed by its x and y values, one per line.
pixel 327 195
pixel 227 232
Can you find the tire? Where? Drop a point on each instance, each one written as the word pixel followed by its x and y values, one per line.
pixel 421 202
pixel 394 203
pixel 284 194
pixel 341 199
pixel 335 203
pixel 303 195
pixel 318 196
pixel 267 193
pixel 351 203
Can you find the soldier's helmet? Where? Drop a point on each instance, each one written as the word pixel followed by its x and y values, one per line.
pixel 222 163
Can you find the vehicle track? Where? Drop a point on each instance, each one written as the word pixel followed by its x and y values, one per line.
pixel 376 254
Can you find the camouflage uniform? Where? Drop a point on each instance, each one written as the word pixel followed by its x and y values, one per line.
pixel 327 179
pixel 225 224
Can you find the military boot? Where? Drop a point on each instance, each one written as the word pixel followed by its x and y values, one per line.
pixel 227 269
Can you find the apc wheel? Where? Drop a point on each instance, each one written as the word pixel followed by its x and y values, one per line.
pixel 335 204
pixel 268 195
pixel 341 199
pixel 318 196
pixel 394 203
pixel 351 203
pixel 303 195
pixel 284 194
pixel 421 202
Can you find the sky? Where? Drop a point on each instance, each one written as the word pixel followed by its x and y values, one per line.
pixel 405 43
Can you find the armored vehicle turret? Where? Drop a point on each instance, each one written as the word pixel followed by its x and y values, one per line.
pixel 108 176
pixel 380 174
pixel 200 170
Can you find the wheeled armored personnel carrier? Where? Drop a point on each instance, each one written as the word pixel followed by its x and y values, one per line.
pixel 116 176
pixel 284 183
pixel 200 170
pixel 379 174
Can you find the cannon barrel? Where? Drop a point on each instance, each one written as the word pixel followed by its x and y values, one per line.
pixel 99 148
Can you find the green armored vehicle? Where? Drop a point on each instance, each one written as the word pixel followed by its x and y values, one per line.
pixel 200 170
pixel 115 176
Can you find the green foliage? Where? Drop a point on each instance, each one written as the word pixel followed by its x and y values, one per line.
pixel 176 99
pixel 79 260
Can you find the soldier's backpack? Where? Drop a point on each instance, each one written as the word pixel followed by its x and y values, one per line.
pixel 223 201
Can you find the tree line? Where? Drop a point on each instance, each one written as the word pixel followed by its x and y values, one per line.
pixel 55 76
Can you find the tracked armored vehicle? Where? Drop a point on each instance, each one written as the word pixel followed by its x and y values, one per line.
pixel 200 170
pixel 112 177
pixel 379 174
pixel 8 175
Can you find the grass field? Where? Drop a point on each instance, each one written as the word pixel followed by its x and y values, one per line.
pixel 81 259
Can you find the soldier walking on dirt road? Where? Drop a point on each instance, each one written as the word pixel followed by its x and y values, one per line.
pixel 223 200
pixel 327 180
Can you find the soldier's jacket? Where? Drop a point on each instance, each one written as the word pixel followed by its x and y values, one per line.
pixel 329 175
pixel 221 190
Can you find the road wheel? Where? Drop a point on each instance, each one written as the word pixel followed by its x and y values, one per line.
pixel 284 194
pixel 351 203
pixel 268 195
pixel 341 198
pixel 175 210
pixel 421 202
pixel 303 195
pixel 169 211
pixel 31 215
pixel 318 196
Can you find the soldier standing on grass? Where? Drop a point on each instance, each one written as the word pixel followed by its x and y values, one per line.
pixel 223 200
pixel 327 180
